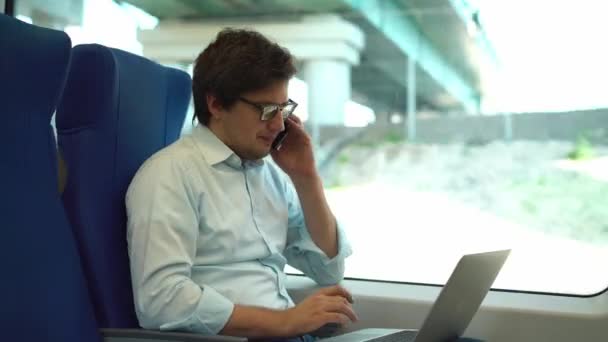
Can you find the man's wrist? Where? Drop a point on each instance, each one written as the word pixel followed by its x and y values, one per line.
pixel 284 324
pixel 306 180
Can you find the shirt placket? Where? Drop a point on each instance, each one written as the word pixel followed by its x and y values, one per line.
pixel 274 258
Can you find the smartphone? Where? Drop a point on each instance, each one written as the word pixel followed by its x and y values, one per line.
pixel 276 144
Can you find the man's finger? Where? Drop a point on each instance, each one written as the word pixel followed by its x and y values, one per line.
pixel 337 290
pixel 295 120
pixel 341 305
pixel 333 317
pixel 295 117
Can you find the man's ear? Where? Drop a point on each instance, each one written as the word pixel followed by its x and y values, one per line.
pixel 215 107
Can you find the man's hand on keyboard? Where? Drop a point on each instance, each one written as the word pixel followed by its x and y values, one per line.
pixel 329 305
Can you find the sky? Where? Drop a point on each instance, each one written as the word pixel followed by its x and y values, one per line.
pixel 552 52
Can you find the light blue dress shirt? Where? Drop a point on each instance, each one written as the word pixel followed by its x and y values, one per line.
pixel 207 230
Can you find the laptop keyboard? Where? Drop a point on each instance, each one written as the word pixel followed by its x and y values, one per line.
pixel 399 336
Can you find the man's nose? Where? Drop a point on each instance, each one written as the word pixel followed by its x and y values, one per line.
pixel 276 123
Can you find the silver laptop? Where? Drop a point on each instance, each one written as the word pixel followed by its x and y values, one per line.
pixel 453 310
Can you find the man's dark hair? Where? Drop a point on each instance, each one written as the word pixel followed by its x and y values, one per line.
pixel 238 61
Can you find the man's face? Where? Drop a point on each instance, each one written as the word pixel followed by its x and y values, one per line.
pixel 243 130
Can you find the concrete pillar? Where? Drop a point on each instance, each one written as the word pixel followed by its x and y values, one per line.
pixel 411 99
pixel 51 14
pixel 328 89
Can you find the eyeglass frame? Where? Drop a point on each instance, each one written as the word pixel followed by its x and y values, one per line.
pixel 264 107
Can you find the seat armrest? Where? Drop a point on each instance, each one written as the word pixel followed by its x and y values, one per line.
pixel 141 335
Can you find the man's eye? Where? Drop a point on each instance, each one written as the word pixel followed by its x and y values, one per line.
pixel 269 110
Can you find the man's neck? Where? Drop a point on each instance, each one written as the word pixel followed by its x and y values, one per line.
pixel 218 131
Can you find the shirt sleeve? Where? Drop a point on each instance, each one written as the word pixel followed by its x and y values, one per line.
pixel 301 251
pixel 162 232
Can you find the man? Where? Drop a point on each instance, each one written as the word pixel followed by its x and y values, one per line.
pixel 211 224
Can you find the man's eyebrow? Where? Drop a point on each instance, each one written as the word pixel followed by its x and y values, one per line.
pixel 273 103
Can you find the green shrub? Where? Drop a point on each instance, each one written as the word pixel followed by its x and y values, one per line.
pixel 582 149
pixel 393 138
pixel 343 159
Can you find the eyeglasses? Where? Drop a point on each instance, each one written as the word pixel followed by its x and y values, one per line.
pixel 269 110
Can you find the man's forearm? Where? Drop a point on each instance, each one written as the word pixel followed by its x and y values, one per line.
pixel 319 219
pixel 256 322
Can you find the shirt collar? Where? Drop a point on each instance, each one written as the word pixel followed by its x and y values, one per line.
pixel 216 152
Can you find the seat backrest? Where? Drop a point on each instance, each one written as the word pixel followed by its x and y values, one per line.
pixel 44 295
pixel 117 110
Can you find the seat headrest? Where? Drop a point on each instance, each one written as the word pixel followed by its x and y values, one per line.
pixel 98 75
pixel 33 75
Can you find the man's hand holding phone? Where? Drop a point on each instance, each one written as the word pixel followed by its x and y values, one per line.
pixel 295 155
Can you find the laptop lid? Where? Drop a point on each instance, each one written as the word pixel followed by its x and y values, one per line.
pixel 461 296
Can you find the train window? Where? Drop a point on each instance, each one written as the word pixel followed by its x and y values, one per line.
pixel 440 128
